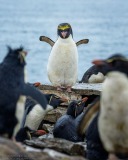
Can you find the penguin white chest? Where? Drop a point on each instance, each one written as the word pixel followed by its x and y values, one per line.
pixel 114 111
pixel 62 65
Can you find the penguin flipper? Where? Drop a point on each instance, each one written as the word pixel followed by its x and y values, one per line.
pixel 47 40
pixel 83 41
pixel 88 116
pixel 35 94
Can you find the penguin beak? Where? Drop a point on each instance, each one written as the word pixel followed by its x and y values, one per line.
pixel 84 99
pixel 37 84
pixel 98 62
pixel 22 56
pixel 38 132
pixel 64 33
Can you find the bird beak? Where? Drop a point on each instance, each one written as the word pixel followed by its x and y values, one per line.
pixel 22 56
pixel 64 33
pixel 98 62
pixel 84 99
pixel 37 84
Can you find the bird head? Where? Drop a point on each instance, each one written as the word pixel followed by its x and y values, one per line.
pixel 16 55
pixel 76 107
pixel 116 62
pixel 64 30
pixel 55 100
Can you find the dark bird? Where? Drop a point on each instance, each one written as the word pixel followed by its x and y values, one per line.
pixel 62 67
pixel 13 90
pixel 96 73
pixel 88 127
pixel 111 121
pixel 66 125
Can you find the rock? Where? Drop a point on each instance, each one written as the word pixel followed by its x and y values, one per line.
pixel 55 114
pixel 10 150
pixel 57 144
pixel 77 90
pixel 49 154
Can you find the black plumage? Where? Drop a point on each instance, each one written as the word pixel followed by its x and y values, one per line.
pixel 66 125
pixel 28 122
pixel 95 149
pixel 12 86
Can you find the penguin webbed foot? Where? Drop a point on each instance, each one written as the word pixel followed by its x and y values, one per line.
pixel 59 88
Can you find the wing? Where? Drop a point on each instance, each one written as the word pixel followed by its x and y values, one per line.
pixel 47 40
pixel 88 116
pixel 35 94
pixel 83 41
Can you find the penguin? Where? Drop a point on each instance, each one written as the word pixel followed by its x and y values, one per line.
pixel 66 125
pixel 97 72
pixel 34 114
pixel 113 113
pixel 14 89
pixel 88 127
pixel 62 67
pixel 110 111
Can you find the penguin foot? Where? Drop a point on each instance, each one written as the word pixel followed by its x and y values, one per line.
pixel 59 88
pixel 69 89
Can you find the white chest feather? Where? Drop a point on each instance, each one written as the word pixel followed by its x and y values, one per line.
pixel 19 113
pixel 96 78
pixel 62 65
pixel 36 115
pixel 113 119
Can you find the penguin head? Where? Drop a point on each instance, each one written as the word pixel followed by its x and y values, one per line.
pixel 55 100
pixel 17 56
pixel 64 30
pixel 76 107
pixel 116 62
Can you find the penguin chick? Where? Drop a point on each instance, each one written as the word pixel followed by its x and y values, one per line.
pixel 113 113
pixel 66 125
pixel 62 67
pixel 13 91
pixel 96 73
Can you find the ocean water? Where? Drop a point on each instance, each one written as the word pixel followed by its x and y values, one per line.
pixel 103 22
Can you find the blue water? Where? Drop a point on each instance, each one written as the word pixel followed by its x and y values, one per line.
pixel 103 22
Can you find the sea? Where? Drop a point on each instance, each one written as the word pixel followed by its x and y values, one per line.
pixel 103 22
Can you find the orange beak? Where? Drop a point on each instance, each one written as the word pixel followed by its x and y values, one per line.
pixel 84 99
pixel 98 62
pixel 37 84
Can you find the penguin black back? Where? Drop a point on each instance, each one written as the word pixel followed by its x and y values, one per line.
pixel 11 77
pixel 13 89
pixel 66 125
